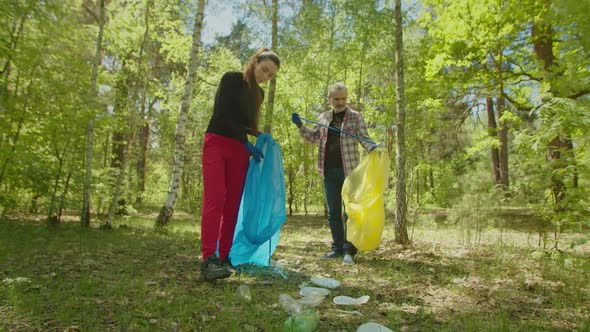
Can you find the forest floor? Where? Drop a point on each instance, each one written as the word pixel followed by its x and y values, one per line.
pixel 132 278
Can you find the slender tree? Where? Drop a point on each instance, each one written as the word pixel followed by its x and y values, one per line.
pixel 168 208
pixel 129 134
pixel 85 216
pixel 273 83
pixel 493 132
pixel 401 232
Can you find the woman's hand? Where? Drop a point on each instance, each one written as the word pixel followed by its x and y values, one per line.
pixel 255 152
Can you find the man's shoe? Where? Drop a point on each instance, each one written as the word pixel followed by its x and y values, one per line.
pixel 348 260
pixel 212 268
pixel 226 262
pixel 332 255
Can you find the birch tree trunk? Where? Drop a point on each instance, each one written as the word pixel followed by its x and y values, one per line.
pixel 273 82
pixel 85 215
pixel 401 232
pixel 168 208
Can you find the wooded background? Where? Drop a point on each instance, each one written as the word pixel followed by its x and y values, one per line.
pixel 104 104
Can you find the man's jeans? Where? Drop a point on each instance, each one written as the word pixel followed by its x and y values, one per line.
pixel 333 181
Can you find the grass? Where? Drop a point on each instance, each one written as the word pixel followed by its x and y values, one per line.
pixel 134 279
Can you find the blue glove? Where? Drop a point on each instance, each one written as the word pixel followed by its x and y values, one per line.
pixel 255 152
pixel 296 119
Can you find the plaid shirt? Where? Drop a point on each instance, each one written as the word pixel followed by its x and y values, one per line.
pixel 352 123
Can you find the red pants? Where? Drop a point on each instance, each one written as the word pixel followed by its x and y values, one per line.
pixel 225 164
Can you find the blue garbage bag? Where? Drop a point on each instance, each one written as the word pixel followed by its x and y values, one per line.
pixel 262 210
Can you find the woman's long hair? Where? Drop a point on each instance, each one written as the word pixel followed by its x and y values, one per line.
pixel 248 75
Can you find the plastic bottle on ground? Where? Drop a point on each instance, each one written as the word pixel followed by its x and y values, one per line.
pixel 305 321
pixel 243 292
pixel 289 304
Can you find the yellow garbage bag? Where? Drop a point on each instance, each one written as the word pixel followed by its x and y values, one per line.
pixel 362 194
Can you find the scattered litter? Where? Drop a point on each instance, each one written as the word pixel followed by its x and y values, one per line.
pixel 372 327
pixel 305 321
pixel 305 284
pixel 259 271
pixel 326 282
pixel 311 300
pixel 243 292
pixel 347 300
pixel 307 291
pixel 289 304
pixel 350 312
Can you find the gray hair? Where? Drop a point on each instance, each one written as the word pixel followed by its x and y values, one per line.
pixel 338 86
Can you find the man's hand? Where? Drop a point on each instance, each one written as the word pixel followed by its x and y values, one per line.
pixel 296 120
pixel 255 152
pixel 377 146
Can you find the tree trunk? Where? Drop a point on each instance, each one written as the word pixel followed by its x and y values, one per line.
pixel 417 187
pixel 60 157
pixel 119 110
pixel 290 178
pixel 273 82
pixel 85 215
pixel 14 37
pixel 503 135
pixel 503 130
pixel 141 166
pixel 493 132
pixel 144 136
pixel 63 196
pixel 401 232
pixel 561 147
pixel 168 208
pixel 15 138
pixel 330 51
pixel 119 184
pixel 306 178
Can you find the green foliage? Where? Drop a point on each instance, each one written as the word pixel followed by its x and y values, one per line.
pixel 557 118
pixel 456 54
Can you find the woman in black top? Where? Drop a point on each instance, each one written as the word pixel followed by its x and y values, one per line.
pixel 226 154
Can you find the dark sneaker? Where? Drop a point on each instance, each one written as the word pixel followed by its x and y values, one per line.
pixel 348 260
pixel 332 255
pixel 226 262
pixel 212 269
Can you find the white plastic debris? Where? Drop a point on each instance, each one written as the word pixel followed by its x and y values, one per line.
pixel 289 304
pixel 243 292
pixel 311 300
pixel 326 282
pixel 350 312
pixel 307 291
pixel 347 300
pixel 372 327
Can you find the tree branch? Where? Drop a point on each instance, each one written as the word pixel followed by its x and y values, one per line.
pixel 92 13
pixel 516 105
pixel 579 94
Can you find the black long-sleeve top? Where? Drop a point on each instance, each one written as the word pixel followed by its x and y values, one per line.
pixel 234 110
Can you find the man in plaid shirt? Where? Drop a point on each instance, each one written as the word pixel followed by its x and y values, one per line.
pixel 338 156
